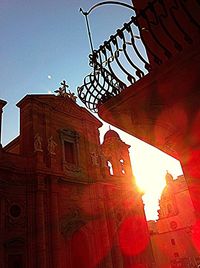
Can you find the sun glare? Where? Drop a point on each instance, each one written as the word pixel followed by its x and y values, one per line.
pixel 149 168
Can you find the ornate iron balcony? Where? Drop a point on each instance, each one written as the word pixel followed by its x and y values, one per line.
pixel 123 60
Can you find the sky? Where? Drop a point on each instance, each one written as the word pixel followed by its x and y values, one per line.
pixel 44 42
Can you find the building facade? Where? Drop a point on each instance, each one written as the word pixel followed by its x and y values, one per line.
pixel 174 235
pixel 67 201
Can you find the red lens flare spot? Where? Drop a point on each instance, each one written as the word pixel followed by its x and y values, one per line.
pixel 196 235
pixel 195 194
pixel 193 164
pixel 81 241
pixel 195 133
pixel 133 235
pixel 98 197
pixel 80 251
pixel 139 265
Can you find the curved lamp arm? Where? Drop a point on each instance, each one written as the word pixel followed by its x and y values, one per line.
pixel 106 3
pixel 94 7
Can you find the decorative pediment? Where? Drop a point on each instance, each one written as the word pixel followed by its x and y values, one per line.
pixel 70 133
pixel 61 104
pixel 64 105
pixel 16 242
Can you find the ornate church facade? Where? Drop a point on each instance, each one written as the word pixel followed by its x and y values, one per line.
pixel 66 200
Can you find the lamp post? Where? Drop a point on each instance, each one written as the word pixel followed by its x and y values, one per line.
pixel 2 104
pixel 96 6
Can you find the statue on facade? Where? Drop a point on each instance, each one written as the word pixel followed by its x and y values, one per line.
pixel 51 146
pixel 37 143
pixel 103 161
pixel 94 158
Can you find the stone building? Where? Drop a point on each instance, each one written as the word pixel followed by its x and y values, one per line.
pixel 174 235
pixel 67 201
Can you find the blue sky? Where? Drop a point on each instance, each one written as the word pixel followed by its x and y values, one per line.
pixel 49 38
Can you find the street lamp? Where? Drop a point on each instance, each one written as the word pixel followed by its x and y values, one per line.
pixel 96 6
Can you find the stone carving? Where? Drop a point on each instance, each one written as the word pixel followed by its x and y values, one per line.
pixel 16 242
pixel 71 222
pixel 62 90
pixel 63 93
pixel 51 146
pixel 95 159
pixel 15 214
pixel 71 167
pixel 72 96
pixel 37 143
pixel 103 161
pixel 69 133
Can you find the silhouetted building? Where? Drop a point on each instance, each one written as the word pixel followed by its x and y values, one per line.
pixel 65 200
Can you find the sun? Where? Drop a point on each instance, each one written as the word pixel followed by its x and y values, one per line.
pixel 149 167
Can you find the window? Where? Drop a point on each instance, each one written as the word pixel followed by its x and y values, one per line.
pixel 15 211
pixel 110 167
pixel 173 241
pixel 122 166
pixel 69 152
pixel 70 149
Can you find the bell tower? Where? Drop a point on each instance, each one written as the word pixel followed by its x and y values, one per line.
pixel 116 155
pixel 127 205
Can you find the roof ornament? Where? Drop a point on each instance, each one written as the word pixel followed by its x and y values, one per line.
pixel 62 91
pixel 168 177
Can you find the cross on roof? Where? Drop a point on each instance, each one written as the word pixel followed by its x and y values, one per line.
pixel 64 85
pixel 62 90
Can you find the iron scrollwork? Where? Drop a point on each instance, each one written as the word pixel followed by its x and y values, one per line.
pixel 123 59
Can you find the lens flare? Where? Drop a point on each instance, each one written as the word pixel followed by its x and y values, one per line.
pixel 196 235
pixel 132 235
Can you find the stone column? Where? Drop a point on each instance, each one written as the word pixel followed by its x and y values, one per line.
pixel 55 230
pixel 2 229
pixel 2 104
pixel 40 224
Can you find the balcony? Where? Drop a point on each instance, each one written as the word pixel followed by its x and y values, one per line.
pixel 147 41
pixel 143 77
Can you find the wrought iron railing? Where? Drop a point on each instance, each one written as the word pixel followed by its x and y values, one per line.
pixel 123 60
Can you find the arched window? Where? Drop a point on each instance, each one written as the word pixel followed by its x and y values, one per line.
pixel 122 166
pixel 110 167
